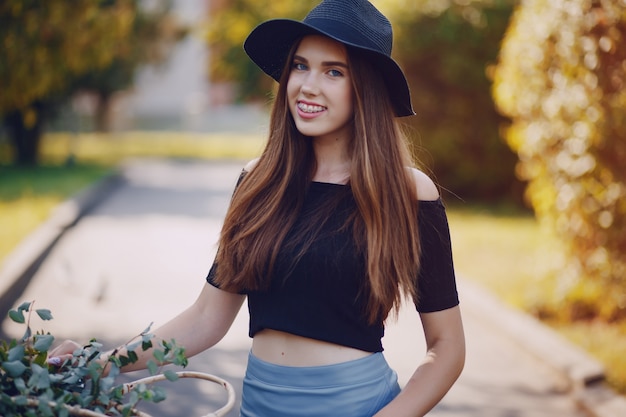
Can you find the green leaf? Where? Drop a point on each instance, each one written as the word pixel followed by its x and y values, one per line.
pixel 159 356
pixel 16 353
pixel 107 383
pixel 170 375
pixel 114 370
pixel 72 379
pixel 43 342
pixel 44 314
pixel 14 368
pixel 43 382
pixel 131 347
pixel 158 394
pixel 24 306
pixel 41 359
pixel 147 329
pixel 20 385
pixel 146 344
pixel 126 412
pixel 44 410
pixel 133 397
pixel 124 361
pixel 27 334
pixel 20 400
pixel 152 367
pixel 132 356
pixel 180 358
pixel 104 397
pixel 17 316
pixel 115 360
pixel 94 344
pixel 93 355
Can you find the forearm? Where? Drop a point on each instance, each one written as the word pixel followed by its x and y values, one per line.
pixel 429 383
pixel 196 329
pixel 441 367
pixel 184 329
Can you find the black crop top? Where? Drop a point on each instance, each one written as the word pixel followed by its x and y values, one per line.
pixel 319 298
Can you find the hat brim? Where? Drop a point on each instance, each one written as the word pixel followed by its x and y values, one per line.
pixel 268 46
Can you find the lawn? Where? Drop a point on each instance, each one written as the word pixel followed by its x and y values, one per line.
pixel 28 195
pixel 504 250
pixel 70 163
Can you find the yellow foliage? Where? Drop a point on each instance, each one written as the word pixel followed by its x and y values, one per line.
pixel 562 80
pixel 45 42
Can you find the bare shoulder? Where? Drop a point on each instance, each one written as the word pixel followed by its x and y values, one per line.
pixel 250 165
pixel 426 188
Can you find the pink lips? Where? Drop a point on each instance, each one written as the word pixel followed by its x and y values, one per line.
pixel 309 115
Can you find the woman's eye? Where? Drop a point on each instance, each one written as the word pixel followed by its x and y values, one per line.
pixel 335 73
pixel 299 66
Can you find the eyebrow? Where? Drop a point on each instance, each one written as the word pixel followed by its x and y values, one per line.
pixel 325 63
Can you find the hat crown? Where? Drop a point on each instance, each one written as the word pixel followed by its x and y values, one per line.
pixel 355 21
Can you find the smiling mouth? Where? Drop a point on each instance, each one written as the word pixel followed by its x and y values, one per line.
pixel 309 108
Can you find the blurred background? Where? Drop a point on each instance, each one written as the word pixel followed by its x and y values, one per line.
pixel 520 118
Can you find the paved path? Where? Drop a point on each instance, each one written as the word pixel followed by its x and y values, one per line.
pixel 142 255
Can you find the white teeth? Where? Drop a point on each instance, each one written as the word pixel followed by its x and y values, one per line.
pixel 308 108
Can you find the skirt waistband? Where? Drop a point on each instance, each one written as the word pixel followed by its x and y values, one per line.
pixel 357 371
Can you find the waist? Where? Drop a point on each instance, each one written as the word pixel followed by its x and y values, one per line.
pixel 287 349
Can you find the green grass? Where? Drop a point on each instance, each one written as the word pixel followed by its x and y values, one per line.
pixel 109 149
pixel 28 195
pixel 506 251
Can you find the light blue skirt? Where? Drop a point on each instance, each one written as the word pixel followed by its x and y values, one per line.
pixel 357 388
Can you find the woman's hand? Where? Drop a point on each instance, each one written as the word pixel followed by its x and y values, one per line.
pixel 63 353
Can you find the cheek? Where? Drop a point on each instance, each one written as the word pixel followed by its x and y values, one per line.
pixel 292 88
pixel 348 99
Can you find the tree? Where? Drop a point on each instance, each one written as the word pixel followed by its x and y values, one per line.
pixel 154 33
pixel 447 49
pixel 562 80
pixel 52 49
pixel 44 44
pixel 231 22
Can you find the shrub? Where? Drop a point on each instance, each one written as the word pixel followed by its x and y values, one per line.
pixel 562 80
pixel 30 387
pixel 447 50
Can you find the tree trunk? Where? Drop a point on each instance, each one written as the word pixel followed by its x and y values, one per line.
pixel 25 138
pixel 103 112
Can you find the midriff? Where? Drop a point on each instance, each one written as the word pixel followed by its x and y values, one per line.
pixel 287 349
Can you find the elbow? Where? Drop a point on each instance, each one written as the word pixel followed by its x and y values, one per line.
pixel 453 353
pixel 457 356
pixel 459 362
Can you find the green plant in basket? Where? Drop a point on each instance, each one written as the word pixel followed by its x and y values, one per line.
pixel 82 386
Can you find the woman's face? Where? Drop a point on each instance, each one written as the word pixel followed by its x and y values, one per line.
pixel 319 89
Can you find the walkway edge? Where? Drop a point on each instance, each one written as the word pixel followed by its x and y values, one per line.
pixel 586 375
pixel 22 263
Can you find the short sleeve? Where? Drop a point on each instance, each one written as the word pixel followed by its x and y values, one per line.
pixel 210 278
pixel 436 282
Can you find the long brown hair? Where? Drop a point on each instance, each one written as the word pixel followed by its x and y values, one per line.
pixel 267 202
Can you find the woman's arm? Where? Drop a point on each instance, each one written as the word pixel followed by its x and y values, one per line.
pixel 196 329
pixel 442 365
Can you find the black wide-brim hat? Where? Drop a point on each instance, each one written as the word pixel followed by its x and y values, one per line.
pixel 354 23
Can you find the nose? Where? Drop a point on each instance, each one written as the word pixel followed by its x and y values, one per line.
pixel 310 85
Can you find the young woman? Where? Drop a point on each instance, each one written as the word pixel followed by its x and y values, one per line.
pixel 328 231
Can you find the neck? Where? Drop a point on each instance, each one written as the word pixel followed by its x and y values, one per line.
pixel 332 160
